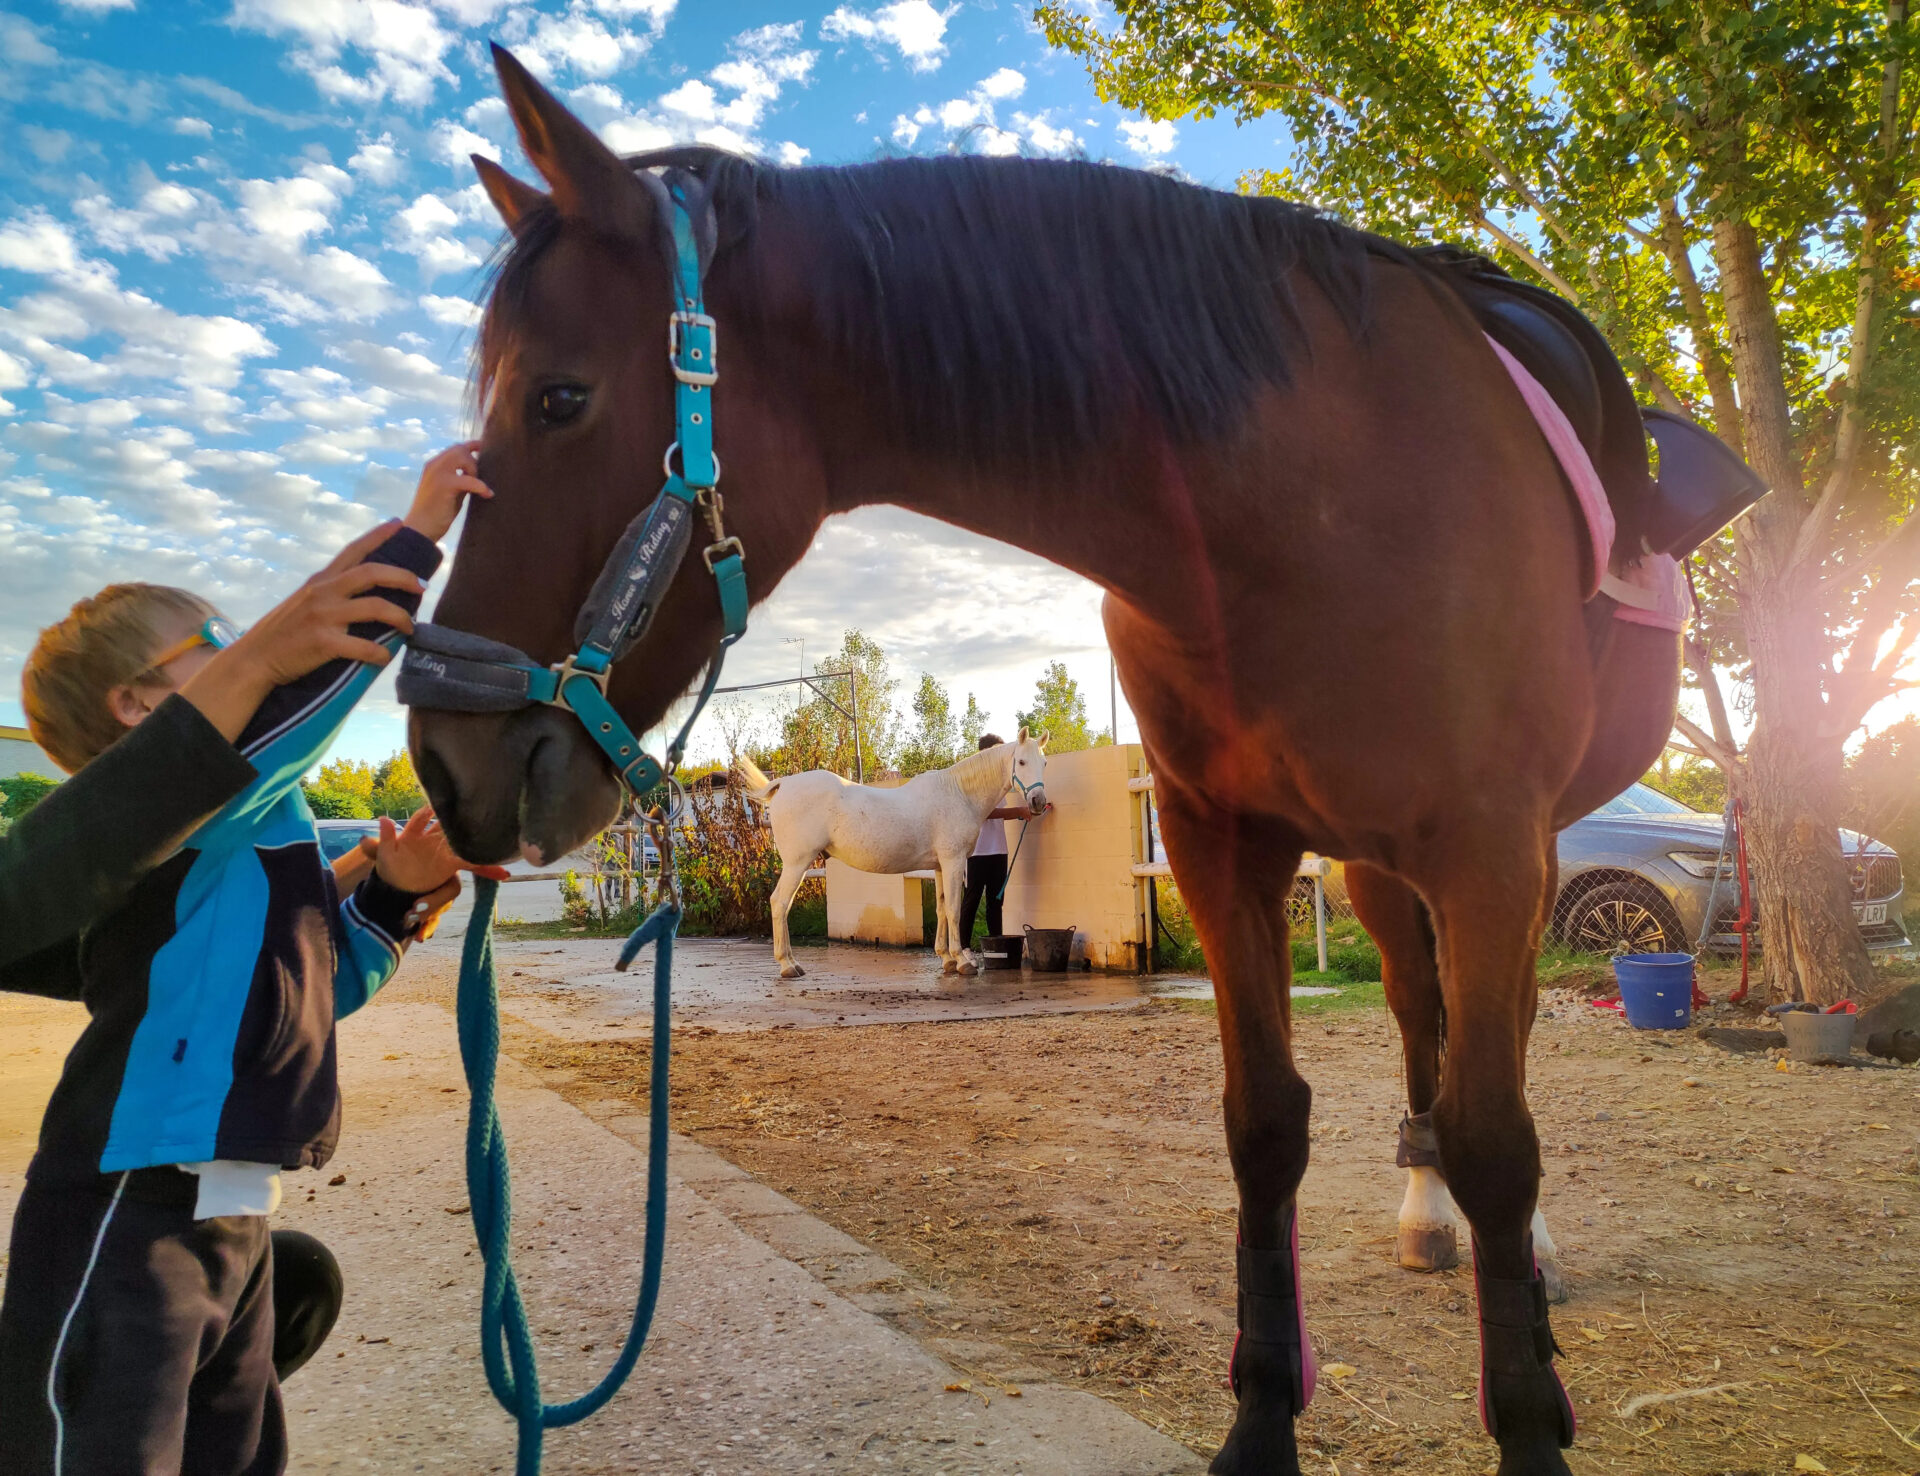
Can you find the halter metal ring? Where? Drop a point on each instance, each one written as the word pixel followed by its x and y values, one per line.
pixel 666 464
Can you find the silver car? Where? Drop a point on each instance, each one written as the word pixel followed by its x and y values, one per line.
pixel 1635 877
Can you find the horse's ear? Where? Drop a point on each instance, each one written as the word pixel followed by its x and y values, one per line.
pixel 513 198
pixel 1023 734
pixel 1043 739
pixel 590 182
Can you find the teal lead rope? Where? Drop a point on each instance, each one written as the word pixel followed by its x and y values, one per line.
pixel 579 684
pixel 506 1343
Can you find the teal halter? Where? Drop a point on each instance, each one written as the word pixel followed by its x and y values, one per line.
pixel 452 670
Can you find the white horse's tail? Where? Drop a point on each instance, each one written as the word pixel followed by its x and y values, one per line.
pixel 759 787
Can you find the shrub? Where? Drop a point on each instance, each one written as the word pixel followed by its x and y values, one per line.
pixel 727 863
pixel 335 804
pixel 19 793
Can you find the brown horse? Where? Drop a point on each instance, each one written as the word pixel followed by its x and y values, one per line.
pixel 1344 589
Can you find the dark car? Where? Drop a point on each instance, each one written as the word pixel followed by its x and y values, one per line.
pixel 1635 877
pixel 337 837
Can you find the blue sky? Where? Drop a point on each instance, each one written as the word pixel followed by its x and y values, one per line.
pixel 239 242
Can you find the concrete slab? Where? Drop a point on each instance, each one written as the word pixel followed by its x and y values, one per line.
pixel 569 987
pixel 763 1358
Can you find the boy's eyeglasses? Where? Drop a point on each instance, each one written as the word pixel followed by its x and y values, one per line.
pixel 218 632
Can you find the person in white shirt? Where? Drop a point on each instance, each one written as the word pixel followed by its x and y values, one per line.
pixel 987 866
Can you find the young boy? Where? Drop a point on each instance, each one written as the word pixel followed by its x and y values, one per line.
pixel 137 1331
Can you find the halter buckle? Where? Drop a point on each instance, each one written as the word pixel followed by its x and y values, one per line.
pixel 709 375
pixel 566 671
pixel 714 552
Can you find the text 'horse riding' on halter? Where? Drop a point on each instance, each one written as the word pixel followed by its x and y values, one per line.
pixel 455 671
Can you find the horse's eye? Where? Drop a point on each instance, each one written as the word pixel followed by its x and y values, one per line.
pixel 561 404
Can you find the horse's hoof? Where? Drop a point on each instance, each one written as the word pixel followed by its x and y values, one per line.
pixel 967 970
pixel 792 971
pixel 1429 1247
pixel 1258 1447
pixel 948 966
pixel 1556 1282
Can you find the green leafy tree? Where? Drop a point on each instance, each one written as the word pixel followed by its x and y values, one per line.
pixel 1883 780
pixel 973 722
pixel 1690 779
pixel 1728 188
pixel 396 790
pixel 336 804
pixel 347 776
pixel 1060 712
pixel 19 793
pixel 935 740
pixel 819 733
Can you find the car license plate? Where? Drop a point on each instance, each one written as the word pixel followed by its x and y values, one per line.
pixel 1869 912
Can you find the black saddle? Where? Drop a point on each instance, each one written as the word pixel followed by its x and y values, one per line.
pixel 1702 485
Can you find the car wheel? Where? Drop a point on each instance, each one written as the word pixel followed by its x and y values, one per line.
pixel 1622 917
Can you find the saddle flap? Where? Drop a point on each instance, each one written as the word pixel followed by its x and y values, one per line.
pixel 1705 485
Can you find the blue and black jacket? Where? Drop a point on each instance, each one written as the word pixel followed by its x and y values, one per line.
pixel 214 986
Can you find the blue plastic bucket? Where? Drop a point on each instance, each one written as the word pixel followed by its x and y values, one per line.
pixel 1656 989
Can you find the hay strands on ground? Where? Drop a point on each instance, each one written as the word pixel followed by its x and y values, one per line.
pixel 1903 1439
pixel 1640 1402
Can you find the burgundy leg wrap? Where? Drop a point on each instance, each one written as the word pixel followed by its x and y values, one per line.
pixel 1269 1313
pixel 1516 1343
pixel 1418 1146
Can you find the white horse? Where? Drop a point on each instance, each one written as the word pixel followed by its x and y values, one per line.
pixel 931 820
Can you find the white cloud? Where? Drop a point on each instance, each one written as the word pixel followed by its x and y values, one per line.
pixel 48 145
pixel 576 41
pixel 402 45
pixel 378 161
pixel 792 154
pixel 454 144
pixel 409 376
pixel 289 210
pixel 973 122
pixel 725 108
pixel 1004 84
pixel 912 27
pixel 97 7
pixel 455 312
pixel 1149 138
pixel 424 228
pixel 193 127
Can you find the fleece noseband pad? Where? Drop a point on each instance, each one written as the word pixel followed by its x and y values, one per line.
pixel 635 577
pixel 454 671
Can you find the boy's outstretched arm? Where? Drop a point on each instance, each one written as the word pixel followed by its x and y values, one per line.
pixel 415 878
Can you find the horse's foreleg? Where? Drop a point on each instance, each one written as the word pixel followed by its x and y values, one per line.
pixel 1235 874
pixel 943 924
pixel 1396 919
pixel 954 896
pixel 1485 890
pixel 791 875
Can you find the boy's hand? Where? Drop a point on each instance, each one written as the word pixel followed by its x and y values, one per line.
pixel 417 858
pixel 449 477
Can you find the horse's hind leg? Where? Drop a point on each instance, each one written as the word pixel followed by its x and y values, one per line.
pixel 1485 891
pixel 1396 919
pixel 791 875
pixel 1235 874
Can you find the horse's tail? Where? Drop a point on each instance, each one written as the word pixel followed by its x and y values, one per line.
pixel 759 787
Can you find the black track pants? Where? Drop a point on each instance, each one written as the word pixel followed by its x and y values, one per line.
pixel 135 1340
pixel 986 876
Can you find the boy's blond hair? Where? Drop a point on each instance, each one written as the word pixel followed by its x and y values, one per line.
pixel 106 641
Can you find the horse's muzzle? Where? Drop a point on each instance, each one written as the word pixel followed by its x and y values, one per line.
pixel 1036 799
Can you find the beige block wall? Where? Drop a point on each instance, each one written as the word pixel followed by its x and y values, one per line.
pixel 864 907
pixel 1075 864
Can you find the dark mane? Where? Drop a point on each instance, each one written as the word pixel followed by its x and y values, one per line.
pixel 1018 308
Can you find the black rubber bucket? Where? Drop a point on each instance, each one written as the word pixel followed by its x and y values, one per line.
pixel 999 951
pixel 1048 949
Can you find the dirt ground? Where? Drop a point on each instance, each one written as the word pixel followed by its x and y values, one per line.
pixel 1744 1237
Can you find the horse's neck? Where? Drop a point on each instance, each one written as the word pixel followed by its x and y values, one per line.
pixel 983 777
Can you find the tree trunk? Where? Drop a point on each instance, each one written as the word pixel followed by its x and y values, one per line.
pixel 1811 947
